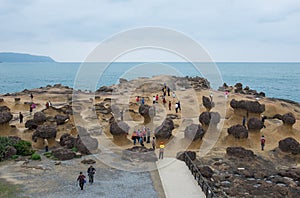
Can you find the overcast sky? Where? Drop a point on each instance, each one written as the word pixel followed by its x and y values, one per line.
pixel 230 30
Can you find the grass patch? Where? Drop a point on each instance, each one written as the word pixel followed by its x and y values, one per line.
pixel 8 190
pixel 35 156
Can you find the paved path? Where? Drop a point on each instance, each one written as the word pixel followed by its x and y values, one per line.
pixel 177 179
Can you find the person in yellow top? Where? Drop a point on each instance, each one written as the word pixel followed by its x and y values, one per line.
pixel 161 150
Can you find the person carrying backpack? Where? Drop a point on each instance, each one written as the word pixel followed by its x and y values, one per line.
pixel 81 180
pixel 91 172
pixel 262 142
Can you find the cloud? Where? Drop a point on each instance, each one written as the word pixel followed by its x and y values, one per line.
pixel 62 28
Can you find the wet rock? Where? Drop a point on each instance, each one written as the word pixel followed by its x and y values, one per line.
pixel 254 124
pixel 181 155
pixel 119 128
pixel 238 131
pixel 67 140
pixel 207 118
pixel 206 171
pixel 61 119
pixel 140 153
pixel 63 154
pixel 250 106
pixel 239 152
pixel 164 131
pixel 39 117
pixel 88 161
pixel 289 145
pixel 44 132
pixel 194 132
pixel 31 124
pixel 207 103
pixel 5 115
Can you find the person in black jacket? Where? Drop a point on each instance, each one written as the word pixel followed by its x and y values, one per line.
pixel 91 171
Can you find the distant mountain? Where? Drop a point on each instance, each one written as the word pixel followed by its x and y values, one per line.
pixel 20 57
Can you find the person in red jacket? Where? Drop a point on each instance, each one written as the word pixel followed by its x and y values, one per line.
pixel 81 180
pixel 262 142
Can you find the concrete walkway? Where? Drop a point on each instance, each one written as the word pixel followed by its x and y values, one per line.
pixel 177 179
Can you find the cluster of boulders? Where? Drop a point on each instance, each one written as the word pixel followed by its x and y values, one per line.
pixel 182 155
pixel 5 115
pixel 139 153
pixel 249 106
pixel 198 83
pixel 288 119
pixel 238 88
pixel 194 132
pixel 100 107
pixel 239 152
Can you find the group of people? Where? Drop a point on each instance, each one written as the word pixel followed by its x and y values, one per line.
pixel 142 136
pixel 82 179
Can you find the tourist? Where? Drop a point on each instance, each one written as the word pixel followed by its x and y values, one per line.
pixel 168 91
pixel 176 107
pixel 156 98
pixel 262 142
pixel 164 101
pixel 179 107
pixel 81 180
pixel 148 135
pixel 121 115
pixel 30 110
pixel 143 101
pixel 47 105
pixel 144 134
pixel 226 94
pixel 134 137
pixel 263 120
pixel 141 141
pixel 153 143
pixel 21 117
pixel 244 121
pixel 46 145
pixel 137 99
pixel 161 150
pixel 170 105
pixel 31 97
pixel 153 99
pixel 211 96
pixel 91 172
pixel 173 95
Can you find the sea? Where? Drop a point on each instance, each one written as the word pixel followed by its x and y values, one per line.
pixel 276 79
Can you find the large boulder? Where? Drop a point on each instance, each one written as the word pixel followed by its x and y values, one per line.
pixel 67 140
pixel 63 154
pixel 194 132
pixel 31 124
pixel 44 132
pixel 288 119
pixel 289 145
pixel 238 131
pixel 5 115
pixel 100 107
pixel 250 106
pixel 105 89
pixel 206 171
pixel 181 155
pixel 140 153
pixel 147 112
pixel 164 131
pixel 239 152
pixel 39 117
pixel 61 119
pixel 254 124
pixel 119 128
pixel 207 118
pixel 207 103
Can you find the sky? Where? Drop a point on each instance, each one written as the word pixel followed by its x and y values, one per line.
pixel 229 30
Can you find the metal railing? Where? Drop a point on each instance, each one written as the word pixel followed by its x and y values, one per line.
pixel 199 178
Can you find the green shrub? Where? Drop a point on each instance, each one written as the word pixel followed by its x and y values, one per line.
pixel 74 149
pixel 24 148
pixel 4 142
pixel 35 156
pixel 14 156
pixel 47 154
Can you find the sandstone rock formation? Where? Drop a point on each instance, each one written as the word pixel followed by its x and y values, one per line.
pixel 181 155
pixel 249 106
pixel 238 131
pixel 289 145
pixel 147 112
pixel 164 131
pixel 194 132
pixel 239 152
pixel 207 103
pixel 31 124
pixel 254 124
pixel 5 115
pixel 119 128
pixel 63 154
pixel 207 118
pixel 140 153
pixel 44 132
pixel 39 118
pixel 61 119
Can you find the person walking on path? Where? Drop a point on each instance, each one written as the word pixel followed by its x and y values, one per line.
pixel 164 101
pixel 156 98
pixel 148 135
pixel 244 121
pixel 153 99
pixel 81 180
pixel 46 145
pixel 262 142
pixel 170 105
pixel 176 107
pixel 153 143
pixel 31 97
pixel 91 172
pixel 30 110
pixel 169 91
pixel 263 120
pixel 21 117
pixel 143 100
pixel 134 137
pixel 161 150
pixel 179 107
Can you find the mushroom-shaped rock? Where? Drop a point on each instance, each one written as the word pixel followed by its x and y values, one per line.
pixel 254 124
pixel 250 106
pixel 239 152
pixel 164 131
pixel 289 145
pixel 39 117
pixel 238 131
pixel 119 128
pixel 63 154
pixel 207 118
pixel 5 115
pixel 288 119
pixel 44 132
pixel 194 132
pixel 67 140
pixel 207 103
pixel 61 119
pixel 147 112
pixel 181 155
pixel 31 124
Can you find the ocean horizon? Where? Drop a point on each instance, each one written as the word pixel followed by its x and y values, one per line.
pixel 276 79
